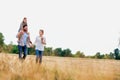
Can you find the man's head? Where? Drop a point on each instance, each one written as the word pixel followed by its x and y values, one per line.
pixel 25 28
pixel 41 32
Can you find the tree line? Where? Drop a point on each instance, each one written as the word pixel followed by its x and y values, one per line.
pixel 49 51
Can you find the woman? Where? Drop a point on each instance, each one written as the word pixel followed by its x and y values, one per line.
pixel 39 46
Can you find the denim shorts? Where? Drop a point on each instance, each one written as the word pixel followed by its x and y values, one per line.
pixel 39 53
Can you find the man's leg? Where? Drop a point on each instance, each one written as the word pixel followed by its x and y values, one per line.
pixel 20 51
pixel 24 51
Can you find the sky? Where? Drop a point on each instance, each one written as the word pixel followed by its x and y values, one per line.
pixel 88 26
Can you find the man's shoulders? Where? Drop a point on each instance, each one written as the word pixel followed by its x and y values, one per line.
pixel 43 36
pixel 39 36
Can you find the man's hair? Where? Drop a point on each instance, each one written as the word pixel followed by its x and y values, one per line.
pixel 42 31
pixel 24 25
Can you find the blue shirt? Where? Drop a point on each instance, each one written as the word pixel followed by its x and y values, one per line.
pixel 23 39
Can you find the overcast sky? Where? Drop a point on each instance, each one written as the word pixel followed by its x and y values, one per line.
pixel 87 25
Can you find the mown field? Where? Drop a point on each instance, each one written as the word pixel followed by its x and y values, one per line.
pixel 58 68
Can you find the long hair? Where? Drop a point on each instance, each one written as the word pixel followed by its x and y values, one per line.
pixel 23 20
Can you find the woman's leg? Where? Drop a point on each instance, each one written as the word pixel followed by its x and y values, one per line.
pixel 40 56
pixel 37 55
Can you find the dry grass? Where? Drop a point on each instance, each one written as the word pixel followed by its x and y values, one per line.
pixel 58 68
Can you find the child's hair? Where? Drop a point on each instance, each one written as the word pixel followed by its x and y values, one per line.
pixel 24 18
pixel 42 31
pixel 24 25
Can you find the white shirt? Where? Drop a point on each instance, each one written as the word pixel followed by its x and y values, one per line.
pixel 38 43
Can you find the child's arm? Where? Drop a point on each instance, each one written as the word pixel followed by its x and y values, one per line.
pixel 20 34
pixel 21 27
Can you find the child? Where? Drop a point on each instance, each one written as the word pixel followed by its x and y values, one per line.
pixel 39 46
pixel 24 22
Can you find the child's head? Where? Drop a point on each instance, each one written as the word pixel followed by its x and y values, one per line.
pixel 41 32
pixel 24 20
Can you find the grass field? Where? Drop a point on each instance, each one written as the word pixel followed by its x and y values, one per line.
pixel 58 68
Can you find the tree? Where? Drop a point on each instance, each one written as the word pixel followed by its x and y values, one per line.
pixel 111 55
pixel 106 56
pixel 57 52
pixel 99 56
pixel 1 41
pixel 47 51
pixel 14 49
pixel 66 53
pixel 9 47
pixel 117 54
pixel 79 54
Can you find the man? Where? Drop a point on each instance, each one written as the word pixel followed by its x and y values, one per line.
pixel 24 36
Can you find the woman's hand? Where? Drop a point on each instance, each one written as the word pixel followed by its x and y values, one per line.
pixel 43 41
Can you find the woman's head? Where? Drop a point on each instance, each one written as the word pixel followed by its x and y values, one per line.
pixel 41 32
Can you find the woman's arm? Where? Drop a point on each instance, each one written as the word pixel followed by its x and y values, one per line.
pixel 29 42
pixel 43 41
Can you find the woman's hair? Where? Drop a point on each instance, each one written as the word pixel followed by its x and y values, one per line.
pixel 42 31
